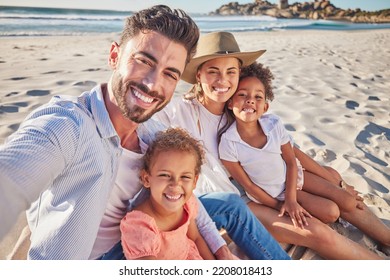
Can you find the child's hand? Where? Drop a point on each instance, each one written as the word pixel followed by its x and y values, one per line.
pixel 296 213
pixel 351 190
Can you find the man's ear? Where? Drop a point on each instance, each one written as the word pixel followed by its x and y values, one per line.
pixel 114 56
pixel 144 176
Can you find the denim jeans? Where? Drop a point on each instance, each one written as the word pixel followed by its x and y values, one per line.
pixel 230 212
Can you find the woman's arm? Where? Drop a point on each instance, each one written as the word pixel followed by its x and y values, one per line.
pixel 241 177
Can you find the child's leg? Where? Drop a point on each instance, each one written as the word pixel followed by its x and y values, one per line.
pixel 323 209
pixel 317 235
pixel 319 186
pixel 369 223
pixel 361 217
pixel 326 172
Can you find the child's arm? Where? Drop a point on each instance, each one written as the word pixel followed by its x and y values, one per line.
pixel 238 173
pixel 194 235
pixel 296 212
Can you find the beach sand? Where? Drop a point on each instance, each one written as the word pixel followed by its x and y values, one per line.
pixel 331 90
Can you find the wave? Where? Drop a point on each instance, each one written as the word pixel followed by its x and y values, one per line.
pixel 60 17
pixel 21 21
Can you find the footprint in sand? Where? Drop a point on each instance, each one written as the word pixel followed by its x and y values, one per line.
pixel 350 104
pixel 91 69
pixel 18 78
pixel 51 72
pixel 11 94
pixel 85 83
pixel 38 92
pixel 374 98
pixel 12 107
pixel 322 155
pixel 295 127
pixel 367 140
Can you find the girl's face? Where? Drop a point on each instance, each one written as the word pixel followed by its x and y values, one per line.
pixel 219 79
pixel 171 180
pixel 249 102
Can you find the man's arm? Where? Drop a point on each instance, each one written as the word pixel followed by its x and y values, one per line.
pixel 30 161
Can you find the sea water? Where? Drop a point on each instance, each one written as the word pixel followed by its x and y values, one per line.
pixel 23 21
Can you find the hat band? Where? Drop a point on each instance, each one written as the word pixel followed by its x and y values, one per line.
pixel 226 52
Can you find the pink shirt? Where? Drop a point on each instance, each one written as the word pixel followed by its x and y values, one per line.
pixel 141 237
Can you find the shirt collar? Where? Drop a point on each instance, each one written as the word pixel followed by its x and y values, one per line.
pixel 100 114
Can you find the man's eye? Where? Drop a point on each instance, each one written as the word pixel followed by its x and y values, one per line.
pixel 143 61
pixel 172 76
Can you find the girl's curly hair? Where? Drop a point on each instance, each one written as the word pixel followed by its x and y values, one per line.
pixel 262 73
pixel 174 139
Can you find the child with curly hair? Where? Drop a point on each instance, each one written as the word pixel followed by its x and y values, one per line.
pixel 163 226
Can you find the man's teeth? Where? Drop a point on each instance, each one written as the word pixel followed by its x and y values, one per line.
pixel 173 197
pixel 249 110
pixel 142 97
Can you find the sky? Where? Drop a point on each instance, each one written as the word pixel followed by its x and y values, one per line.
pixel 190 6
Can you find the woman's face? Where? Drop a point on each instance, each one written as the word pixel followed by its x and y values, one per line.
pixel 219 79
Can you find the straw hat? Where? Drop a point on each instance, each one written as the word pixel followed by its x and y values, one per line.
pixel 215 45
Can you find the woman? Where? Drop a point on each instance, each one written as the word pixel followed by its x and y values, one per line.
pixel 214 72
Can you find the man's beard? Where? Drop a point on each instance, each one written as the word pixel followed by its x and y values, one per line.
pixel 135 113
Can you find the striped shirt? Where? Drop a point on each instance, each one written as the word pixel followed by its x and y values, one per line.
pixel 63 161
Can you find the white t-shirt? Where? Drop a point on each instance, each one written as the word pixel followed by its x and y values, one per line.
pixel 126 187
pixel 265 167
pixel 202 125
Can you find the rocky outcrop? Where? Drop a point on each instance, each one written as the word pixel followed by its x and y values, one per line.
pixel 321 9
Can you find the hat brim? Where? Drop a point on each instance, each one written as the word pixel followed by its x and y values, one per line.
pixel 247 58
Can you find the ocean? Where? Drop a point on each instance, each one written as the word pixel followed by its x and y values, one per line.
pixel 24 21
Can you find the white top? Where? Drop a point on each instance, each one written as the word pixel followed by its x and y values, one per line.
pixel 265 167
pixel 202 125
pixel 126 187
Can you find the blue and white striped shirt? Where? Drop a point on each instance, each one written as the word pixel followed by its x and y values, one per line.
pixel 63 161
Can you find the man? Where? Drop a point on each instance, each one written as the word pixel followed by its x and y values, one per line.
pixel 74 162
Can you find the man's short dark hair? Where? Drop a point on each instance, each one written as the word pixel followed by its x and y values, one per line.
pixel 175 24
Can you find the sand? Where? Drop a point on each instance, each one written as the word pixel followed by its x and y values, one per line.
pixel 331 90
